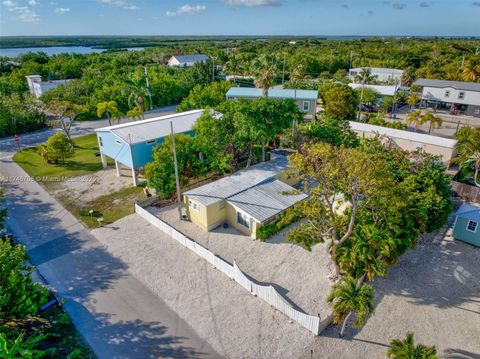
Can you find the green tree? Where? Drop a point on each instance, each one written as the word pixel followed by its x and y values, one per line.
pixel 347 299
pixel 471 70
pixel 135 114
pixel 365 76
pixel 21 347
pixel 413 99
pixel 265 69
pixel 343 176
pixel 387 103
pixel 468 153
pixel 161 171
pixel 58 146
pixel 432 120
pixel 64 114
pixel 406 349
pixel 340 101
pixel 19 295
pixel 110 109
pixel 205 96
pixel 415 118
pixel 370 96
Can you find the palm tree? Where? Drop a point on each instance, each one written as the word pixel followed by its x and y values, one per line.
pixel 412 100
pixel 468 150
pixel 365 76
pixel 233 66
pixel 470 71
pixel 265 70
pixel 415 118
pixel 406 349
pixel 434 121
pixel 348 298
pixel 110 109
pixel 136 114
pixel 298 73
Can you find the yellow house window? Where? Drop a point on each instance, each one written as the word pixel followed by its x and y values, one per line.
pixel 243 219
pixel 193 205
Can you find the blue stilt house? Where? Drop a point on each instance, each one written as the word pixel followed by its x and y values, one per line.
pixel 131 144
pixel 467 224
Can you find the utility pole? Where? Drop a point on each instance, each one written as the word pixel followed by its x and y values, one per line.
pixel 148 87
pixel 351 58
pixel 283 71
pixel 177 181
pixel 213 68
pixel 361 99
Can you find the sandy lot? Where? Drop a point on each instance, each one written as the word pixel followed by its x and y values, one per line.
pixel 434 292
pixel 299 275
pixel 87 188
pixel 235 323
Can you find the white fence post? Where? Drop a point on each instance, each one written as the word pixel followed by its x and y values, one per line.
pixel 268 293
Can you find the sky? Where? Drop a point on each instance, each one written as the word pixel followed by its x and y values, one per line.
pixel 240 17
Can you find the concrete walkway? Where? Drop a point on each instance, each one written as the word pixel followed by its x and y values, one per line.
pixel 117 315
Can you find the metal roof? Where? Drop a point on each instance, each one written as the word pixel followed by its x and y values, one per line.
pixel 382 90
pixel 266 199
pixel 459 85
pixel 191 58
pixel 153 128
pixel 237 182
pixel 406 135
pixel 379 70
pixel 469 211
pixel 273 93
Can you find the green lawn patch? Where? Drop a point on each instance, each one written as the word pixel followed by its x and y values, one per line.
pixel 83 162
pixel 111 207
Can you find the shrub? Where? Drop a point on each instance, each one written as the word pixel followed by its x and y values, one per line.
pixel 284 219
pixel 57 147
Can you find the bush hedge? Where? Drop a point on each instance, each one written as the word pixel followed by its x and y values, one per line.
pixel 284 219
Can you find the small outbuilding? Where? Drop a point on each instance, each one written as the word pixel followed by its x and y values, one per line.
pixel 467 223
pixel 132 144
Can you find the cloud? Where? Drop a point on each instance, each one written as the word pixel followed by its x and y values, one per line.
pixel 25 14
pixel 476 3
pixel 187 10
pixel 120 3
pixel 251 3
pixel 9 3
pixel 61 10
pixel 399 6
pixel 424 4
pixel 32 2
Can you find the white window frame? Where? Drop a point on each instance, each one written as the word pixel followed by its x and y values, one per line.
pixel 447 93
pixel 308 106
pixel 193 205
pixel 461 95
pixel 245 217
pixel 475 223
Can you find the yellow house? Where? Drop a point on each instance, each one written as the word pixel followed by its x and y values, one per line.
pixel 246 199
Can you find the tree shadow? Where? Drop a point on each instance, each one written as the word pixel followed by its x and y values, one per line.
pixel 127 339
pixel 452 353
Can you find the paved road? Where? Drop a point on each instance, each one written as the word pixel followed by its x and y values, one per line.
pixel 118 316
pixel 7 144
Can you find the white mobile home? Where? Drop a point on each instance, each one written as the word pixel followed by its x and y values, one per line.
pixel 382 74
pixel 456 96
pixel 186 60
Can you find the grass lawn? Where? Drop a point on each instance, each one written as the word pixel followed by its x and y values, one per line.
pixel 111 207
pixel 83 161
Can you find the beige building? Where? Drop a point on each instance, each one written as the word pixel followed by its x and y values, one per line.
pixel 246 199
pixel 409 141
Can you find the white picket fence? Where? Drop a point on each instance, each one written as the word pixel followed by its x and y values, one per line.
pixel 268 293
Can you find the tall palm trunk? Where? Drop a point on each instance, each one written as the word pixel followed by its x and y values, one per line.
pixel 344 324
pixel 263 151
pixel 109 120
